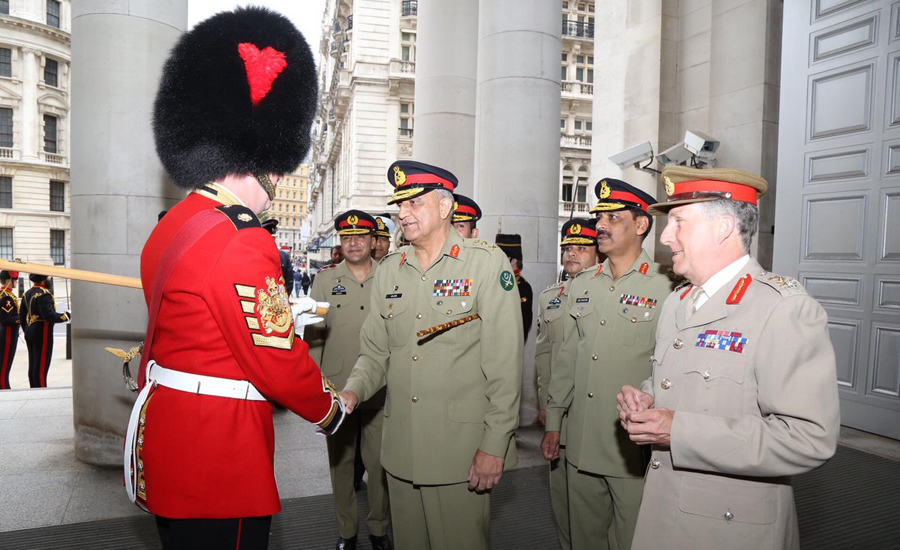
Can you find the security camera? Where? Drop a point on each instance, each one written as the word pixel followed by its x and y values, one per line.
pixel 701 144
pixel 675 155
pixel 633 156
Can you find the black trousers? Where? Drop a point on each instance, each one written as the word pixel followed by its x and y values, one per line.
pixel 39 339
pixel 214 534
pixel 9 340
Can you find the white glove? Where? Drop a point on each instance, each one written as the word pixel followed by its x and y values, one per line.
pixel 68 315
pixel 304 313
pixel 304 305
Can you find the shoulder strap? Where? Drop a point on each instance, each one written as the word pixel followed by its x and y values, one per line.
pixel 196 227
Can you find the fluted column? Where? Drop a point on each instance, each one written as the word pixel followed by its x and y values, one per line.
pixel 118 189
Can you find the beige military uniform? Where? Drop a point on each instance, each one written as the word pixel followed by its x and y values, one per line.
pixel 552 318
pixel 334 345
pixel 606 347
pixel 450 393
pixel 751 378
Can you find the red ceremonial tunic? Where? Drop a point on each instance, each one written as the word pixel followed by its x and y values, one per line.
pixel 222 314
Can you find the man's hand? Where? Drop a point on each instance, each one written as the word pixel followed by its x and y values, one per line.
pixel 543 417
pixel 650 427
pixel 550 445
pixel 485 471
pixel 631 399
pixel 350 400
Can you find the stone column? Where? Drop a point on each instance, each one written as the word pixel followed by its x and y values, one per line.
pixel 33 122
pixel 118 189
pixel 446 58
pixel 517 141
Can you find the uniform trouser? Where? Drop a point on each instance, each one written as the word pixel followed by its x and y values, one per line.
pixel 603 510
pixel 439 517
pixel 39 339
pixel 341 455
pixel 214 534
pixel 559 498
pixel 9 340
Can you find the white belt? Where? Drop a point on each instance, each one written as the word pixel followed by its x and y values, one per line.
pixel 182 381
pixel 204 385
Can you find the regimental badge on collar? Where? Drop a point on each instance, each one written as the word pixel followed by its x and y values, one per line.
pixel 339 290
pixel 721 339
pixel 454 251
pixel 452 287
pixel 645 267
pixel 640 301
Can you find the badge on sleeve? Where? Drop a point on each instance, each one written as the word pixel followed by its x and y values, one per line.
pixel 507 281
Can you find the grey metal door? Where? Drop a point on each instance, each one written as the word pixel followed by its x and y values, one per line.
pixel 837 218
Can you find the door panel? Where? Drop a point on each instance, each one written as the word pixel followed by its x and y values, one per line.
pixel 838 190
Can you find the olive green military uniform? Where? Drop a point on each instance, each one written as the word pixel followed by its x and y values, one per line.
pixel 451 393
pixel 751 378
pixel 334 345
pixel 552 318
pixel 608 346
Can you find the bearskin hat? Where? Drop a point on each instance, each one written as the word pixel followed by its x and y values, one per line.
pixel 238 95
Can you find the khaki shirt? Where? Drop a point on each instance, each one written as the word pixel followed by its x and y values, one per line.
pixel 606 347
pixel 334 343
pixel 458 391
pixel 552 318
pixel 751 377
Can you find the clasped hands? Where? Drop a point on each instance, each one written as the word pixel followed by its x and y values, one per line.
pixel 485 471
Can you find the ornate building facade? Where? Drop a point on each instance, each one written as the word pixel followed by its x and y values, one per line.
pixel 35 55
pixel 289 208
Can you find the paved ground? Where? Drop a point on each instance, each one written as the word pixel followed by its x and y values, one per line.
pixel 43 484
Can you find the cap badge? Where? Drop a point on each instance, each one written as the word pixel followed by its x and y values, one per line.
pixel 455 206
pixel 353 219
pixel 380 223
pixel 399 176
pixel 575 229
pixel 604 190
pixel 670 187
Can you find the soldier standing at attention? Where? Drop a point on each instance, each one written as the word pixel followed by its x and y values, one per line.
pixel 615 309
pixel 232 116
pixel 579 252
pixel 334 345
pixel 511 245
pixel 38 311
pixel 9 324
pixel 384 229
pixel 466 214
pixel 744 389
pixel 444 336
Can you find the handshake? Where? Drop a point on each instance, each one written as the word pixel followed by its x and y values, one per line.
pixel 307 311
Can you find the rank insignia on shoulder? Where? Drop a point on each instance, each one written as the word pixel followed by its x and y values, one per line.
pixel 722 340
pixel 645 267
pixel 339 290
pixel 786 286
pixel 737 293
pixel 641 301
pixel 240 216
pixel 452 287
pixel 507 281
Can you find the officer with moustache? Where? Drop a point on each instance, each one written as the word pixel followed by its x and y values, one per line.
pixel 466 214
pixel 614 310
pixel 384 229
pixel 334 345
pixel 579 252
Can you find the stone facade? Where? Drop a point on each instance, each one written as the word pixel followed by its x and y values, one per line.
pixel 289 208
pixel 35 55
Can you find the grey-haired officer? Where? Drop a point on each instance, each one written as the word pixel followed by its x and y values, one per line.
pixel 579 252
pixel 615 309
pixel 444 337
pixel 334 345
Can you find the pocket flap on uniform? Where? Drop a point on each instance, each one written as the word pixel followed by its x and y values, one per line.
pixel 452 306
pixel 393 306
pixel 636 314
pixel 466 410
pixel 728 500
pixel 723 367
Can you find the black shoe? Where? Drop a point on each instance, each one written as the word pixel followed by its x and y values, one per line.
pixel 346 544
pixel 380 543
